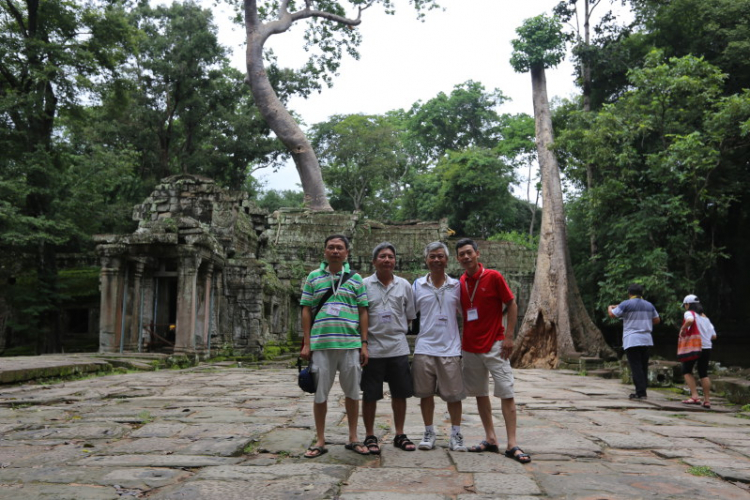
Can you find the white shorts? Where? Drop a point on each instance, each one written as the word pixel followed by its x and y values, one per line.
pixel 478 367
pixel 325 364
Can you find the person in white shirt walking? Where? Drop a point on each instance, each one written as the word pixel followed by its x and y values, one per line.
pixel 694 314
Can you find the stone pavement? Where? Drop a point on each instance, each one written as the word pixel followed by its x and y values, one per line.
pixel 213 432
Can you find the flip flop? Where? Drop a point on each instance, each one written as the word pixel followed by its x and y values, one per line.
pixel 357 447
pixel 371 442
pixel 521 457
pixel 707 405
pixel 484 446
pixel 317 450
pixel 691 401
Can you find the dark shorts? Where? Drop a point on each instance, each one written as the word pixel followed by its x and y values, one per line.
pixel 395 371
pixel 702 361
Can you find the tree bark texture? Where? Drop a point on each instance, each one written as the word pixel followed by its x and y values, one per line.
pixel 556 323
pixel 274 111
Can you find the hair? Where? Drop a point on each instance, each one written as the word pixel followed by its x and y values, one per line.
pixel 696 307
pixel 466 241
pixel 635 289
pixel 337 237
pixel 431 247
pixel 382 246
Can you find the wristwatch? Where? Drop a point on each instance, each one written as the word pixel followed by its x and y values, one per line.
pixel 364 341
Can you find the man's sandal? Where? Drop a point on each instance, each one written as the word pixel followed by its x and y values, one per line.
pixel 522 457
pixel 372 445
pixel 484 446
pixel 357 448
pixel 316 451
pixel 403 442
pixel 692 401
pixel 707 405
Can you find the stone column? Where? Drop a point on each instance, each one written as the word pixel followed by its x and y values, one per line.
pixel 131 340
pixel 110 285
pixel 207 304
pixel 218 304
pixel 186 303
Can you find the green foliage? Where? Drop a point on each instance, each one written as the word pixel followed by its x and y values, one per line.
pixel 362 163
pixel 540 43
pixel 274 199
pixel 665 182
pixel 524 239
pixel 466 118
pixel 475 192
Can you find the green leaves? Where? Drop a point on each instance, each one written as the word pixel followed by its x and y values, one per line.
pixel 540 42
pixel 666 176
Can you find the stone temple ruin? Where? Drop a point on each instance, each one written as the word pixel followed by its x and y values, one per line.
pixel 208 271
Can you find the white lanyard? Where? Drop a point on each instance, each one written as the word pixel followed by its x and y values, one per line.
pixel 336 290
pixel 384 295
pixel 435 291
pixel 466 283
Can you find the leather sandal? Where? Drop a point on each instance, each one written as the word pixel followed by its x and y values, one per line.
pixel 403 442
pixel 372 445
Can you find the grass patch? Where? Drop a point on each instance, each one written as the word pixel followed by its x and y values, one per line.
pixel 145 417
pixel 703 470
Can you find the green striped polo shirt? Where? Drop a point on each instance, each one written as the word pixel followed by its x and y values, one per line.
pixel 337 324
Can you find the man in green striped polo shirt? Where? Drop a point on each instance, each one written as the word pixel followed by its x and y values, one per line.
pixel 335 337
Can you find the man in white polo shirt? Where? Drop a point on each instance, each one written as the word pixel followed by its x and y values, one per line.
pixel 391 309
pixel 436 368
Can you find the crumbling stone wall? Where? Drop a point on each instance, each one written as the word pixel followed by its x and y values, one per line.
pixel 230 274
pixel 293 244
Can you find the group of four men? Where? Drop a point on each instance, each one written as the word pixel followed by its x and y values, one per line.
pixel 358 328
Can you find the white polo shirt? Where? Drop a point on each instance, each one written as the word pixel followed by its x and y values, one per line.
pixel 438 324
pixel 391 308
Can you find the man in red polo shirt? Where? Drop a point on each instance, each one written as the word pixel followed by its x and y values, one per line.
pixel 486 348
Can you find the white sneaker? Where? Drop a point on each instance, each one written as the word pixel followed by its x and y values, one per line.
pixel 457 443
pixel 428 441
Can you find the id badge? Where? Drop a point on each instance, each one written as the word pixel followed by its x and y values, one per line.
pixel 472 314
pixel 442 321
pixel 333 309
pixel 386 317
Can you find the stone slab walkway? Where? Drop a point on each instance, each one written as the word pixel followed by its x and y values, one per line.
pixel 213 432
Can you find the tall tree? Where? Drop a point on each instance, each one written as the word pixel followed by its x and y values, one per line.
pixel 181 107
pixel 52 51
pixel 332 32
pixel 556 323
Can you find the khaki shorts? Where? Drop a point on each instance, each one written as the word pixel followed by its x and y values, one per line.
pixel 478 368
pixel 437 375
pixel 327 362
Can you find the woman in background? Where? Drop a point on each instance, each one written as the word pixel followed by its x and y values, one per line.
pixel 694 314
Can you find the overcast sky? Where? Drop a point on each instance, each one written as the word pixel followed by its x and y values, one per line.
pixel 404 60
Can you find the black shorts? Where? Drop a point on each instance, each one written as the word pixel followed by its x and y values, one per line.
pixel 702 361
pixel 396 371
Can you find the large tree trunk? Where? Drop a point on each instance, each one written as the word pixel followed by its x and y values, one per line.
pixel 556 323
pixel 276 115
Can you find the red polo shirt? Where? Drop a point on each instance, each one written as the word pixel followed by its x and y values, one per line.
pixel 491 293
